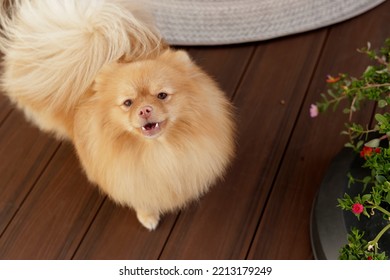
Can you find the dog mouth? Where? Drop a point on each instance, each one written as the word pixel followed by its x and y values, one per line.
pixel 151 129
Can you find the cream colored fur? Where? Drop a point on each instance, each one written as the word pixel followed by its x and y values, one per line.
pixel 54 49
pixel 149 126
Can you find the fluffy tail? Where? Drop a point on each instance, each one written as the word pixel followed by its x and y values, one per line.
pixel 53 49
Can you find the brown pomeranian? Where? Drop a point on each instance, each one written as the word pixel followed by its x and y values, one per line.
pixel 151 129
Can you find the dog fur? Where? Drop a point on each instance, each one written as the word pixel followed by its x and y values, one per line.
pixel 150 127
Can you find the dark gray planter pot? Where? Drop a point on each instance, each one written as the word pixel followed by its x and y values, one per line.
pixel 329 224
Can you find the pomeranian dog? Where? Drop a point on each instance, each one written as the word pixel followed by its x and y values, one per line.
pixel 150 128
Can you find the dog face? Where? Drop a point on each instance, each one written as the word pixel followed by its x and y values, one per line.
pixel 147 98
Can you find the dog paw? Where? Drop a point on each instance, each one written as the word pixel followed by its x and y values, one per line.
pixel 148 220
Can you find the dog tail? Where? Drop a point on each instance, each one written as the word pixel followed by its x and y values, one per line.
pixel 54 49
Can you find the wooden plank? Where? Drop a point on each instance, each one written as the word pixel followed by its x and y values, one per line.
pixel 54 217
pixel 24 154
pixel 284 230
pixel 226 64
pixel 222 225
pixel 116 234
pixel 5 108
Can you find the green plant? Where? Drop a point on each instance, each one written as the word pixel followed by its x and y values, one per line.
pixel 372 86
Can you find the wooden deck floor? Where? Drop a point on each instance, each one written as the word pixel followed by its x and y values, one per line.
pixel 261 210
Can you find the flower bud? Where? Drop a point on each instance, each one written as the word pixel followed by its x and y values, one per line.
pixel 314 111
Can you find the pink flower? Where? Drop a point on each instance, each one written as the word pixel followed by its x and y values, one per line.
pixel 357 208
pixel 313 111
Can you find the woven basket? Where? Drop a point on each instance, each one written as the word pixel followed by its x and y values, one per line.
pixel 212 22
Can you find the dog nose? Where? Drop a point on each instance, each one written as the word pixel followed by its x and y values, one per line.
pixel 145 112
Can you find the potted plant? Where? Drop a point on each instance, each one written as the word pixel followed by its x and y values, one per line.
pixel 370 142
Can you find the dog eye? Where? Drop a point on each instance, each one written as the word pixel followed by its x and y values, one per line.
pixel 162 95
pixel 127 103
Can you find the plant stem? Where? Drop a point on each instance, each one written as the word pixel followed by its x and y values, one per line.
pixel 376 239
pixel 384 211
pixel 375 85
pixel 384 137
pixel 351 110
pixel 338 99
pixel 358 133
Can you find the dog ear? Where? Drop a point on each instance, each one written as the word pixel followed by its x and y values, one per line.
pixel 179 58
pixel 183 57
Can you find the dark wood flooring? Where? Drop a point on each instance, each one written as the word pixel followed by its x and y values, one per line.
pixel 261 210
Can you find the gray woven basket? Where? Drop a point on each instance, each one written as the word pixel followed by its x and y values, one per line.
pixel 212 22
